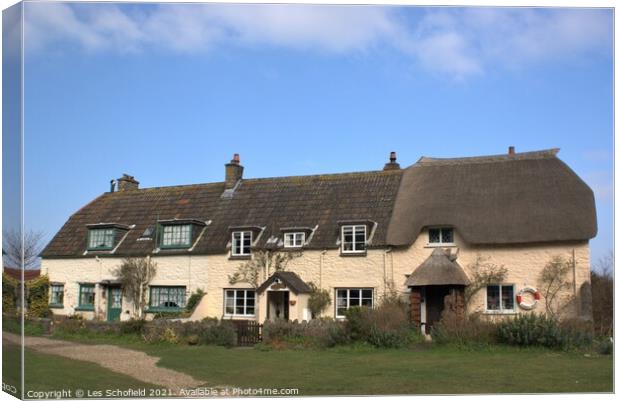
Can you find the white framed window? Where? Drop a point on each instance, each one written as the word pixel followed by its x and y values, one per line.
pixel 294 240
pixel 500 298
pixel 441 236
pixel 353 239
pixel 241 243
pixel 176 236
pixel 349 297
pixel 239 302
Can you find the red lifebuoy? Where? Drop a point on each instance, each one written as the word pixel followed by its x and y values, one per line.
pixel 525 305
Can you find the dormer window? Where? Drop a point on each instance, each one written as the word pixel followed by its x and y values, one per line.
pixel 241 243
pixel 441 236
pixel 353 238
pixel 179 233
pixel 104 237
pixel 101 238
pixel 176 236
pixel 294 239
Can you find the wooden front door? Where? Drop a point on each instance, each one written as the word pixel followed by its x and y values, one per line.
pixel 435 295
pixel 115 303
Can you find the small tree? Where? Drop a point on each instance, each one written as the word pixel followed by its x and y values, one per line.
pixel 13 247
pixel 603 294
pixel 319 300
pixel 135 274
pixel 261 264
pixel 552 281
pixel 483 273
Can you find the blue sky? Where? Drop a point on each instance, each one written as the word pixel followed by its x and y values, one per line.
pixel 168 93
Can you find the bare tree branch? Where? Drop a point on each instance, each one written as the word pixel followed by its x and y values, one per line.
pixel 31 247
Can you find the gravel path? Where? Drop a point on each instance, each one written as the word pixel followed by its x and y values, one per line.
pixel 122 360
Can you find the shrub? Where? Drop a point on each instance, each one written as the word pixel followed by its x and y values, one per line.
pixel 384 326
pixel 605 346
pixel 319 300
pixel 194 300
pixel 454 328
pixel 540 330
pixel 317 333
pixel 219 334
pixel 133 326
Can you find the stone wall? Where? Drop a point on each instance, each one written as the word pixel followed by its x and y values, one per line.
pixel 380 269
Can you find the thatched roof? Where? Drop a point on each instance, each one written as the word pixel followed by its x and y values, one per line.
pixel 520 198
pixel 438 269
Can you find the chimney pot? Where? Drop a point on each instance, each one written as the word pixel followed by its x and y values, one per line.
pixel 127 182
pixel 511 150
pixel 234 172
pixel 392 165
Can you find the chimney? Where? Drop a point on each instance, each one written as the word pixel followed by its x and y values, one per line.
pixel 511 150
pixel 234 172
pixel 127 182
pixel 392 165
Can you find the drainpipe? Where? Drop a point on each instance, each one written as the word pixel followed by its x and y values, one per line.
pixel 323 252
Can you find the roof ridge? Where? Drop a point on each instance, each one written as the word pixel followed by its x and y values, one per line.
pixel 288 177
pixel 538 154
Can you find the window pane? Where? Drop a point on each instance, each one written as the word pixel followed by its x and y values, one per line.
pixel 447 235
pixel 508 297
pixel 493 297
pixel 367 293
pixel 340 311
pixel 433 236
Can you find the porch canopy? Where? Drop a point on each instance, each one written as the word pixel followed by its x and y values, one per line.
pixel 291 280
pixel 438 269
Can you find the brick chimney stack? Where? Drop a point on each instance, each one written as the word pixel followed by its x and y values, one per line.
pixel 511 150
pixel 127 182
pixel 234 172
pixel 392 165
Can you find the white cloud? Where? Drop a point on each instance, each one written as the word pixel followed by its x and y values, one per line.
pixel 458 42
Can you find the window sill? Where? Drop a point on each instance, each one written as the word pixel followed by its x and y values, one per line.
pixel 507 312
pixel 240 316
pixel 440 245
pixel 347 254
pixel 240 257
pixel 160 310
pixel 85 308
pixel 56 306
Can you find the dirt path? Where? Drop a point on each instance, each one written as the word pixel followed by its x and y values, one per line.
pixel 122 360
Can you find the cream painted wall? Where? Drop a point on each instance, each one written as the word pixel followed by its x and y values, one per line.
pixel 327 269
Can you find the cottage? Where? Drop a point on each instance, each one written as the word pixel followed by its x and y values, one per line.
pixel 419 231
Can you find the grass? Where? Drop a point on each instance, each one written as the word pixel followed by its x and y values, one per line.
pixel 362 370
pixel 13 325
pixel 53 373
pixel 438 369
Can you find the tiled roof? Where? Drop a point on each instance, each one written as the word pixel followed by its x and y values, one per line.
pixel 29 274
pixel 319 201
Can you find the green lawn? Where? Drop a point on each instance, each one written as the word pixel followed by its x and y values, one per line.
pixel 432 370
pixel 364 370
pixel 49 372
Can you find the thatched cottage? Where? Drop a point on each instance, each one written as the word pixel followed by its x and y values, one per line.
pixel 422 232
